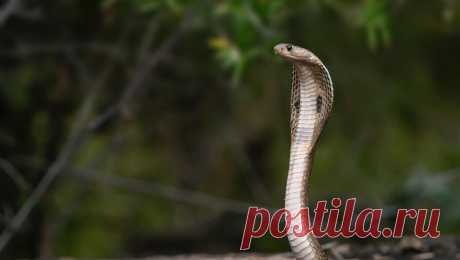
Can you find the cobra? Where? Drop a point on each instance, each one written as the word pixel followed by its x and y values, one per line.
pixel 311 105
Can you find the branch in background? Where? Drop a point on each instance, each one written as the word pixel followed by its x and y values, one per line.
pixel 25 50
pixel 80 129
pixel 73 143
pixel 14 174
pixel 169 192
pixel 78 200
pixel 16 7
pixel 9 8
pixel 76 139
pixel 146 63
pixel 74 204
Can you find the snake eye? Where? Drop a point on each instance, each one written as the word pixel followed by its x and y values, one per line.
pixel 289 47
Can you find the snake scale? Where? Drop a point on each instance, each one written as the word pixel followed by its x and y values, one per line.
pixel 311 104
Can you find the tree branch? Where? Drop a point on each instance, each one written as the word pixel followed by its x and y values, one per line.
pixel 9 8
pixel 81 128
pixel 15 7
pixel 169 192
pixel 29 49
pixel 72 144
pixel 14 174
pixel 146 63
pixel 76 139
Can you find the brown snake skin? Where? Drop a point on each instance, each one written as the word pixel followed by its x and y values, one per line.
pixel 311 104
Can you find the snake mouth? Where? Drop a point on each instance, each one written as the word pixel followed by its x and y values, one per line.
pixel 281 49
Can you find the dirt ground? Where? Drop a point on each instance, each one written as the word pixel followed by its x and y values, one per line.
pixel 410 248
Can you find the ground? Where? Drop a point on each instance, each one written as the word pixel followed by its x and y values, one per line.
pixel 407 248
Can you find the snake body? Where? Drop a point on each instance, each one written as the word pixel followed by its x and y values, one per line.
pixel 311 104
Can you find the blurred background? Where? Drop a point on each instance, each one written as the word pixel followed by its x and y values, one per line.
pixel 143 127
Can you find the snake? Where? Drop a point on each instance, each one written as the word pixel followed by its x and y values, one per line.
pixel 312 96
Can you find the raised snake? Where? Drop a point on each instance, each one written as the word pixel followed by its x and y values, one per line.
pixel 311 104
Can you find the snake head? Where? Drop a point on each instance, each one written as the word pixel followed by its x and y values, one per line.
pixel 295 53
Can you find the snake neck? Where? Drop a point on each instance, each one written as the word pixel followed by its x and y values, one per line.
pixel 311 101
pixel 300 164
pixel 305 129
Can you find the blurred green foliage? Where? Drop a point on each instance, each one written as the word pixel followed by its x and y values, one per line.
pixel 213 116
